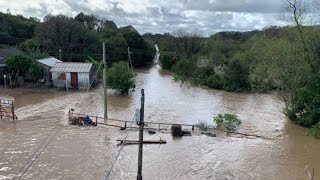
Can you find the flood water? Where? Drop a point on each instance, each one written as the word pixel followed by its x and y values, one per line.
pixel 41 144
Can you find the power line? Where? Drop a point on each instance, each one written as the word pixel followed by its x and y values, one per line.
pixel 95 77
pixel 35 155
pixel 119 152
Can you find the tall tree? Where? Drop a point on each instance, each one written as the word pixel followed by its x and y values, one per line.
pixel 61 32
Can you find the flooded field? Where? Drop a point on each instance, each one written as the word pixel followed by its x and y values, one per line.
pixel 41 145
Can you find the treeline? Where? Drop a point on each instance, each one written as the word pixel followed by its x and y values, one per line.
pixel 74 39
pixel 284 59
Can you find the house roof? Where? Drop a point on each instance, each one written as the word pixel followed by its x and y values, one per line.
pixel 7 52
pixel 71 67
pixel 49 61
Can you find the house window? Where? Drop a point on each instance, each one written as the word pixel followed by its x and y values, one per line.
pixel 62 76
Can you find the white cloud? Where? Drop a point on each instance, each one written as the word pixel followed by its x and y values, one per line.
pixel 208 16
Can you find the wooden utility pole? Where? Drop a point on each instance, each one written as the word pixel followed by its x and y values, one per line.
pixel 129 59
pixel 105 81
pixel 5 81
pixel 60 55
pixel 141 125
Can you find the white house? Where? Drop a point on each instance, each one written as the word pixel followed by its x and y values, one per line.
pixel 73 75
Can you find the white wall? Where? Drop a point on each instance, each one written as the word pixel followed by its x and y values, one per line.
pixel 83 80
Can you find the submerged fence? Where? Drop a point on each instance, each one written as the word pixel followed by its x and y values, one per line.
pixel 123 124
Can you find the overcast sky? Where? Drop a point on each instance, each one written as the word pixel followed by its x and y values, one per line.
pixel 159 16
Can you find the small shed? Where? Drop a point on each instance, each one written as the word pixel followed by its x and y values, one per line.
pixel 75 75
pixel 47 63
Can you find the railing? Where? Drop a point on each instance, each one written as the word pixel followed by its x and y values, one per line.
pixel 125 122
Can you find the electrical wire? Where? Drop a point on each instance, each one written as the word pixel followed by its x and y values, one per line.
pixel 119 152
pixel 35 156
pixel 95 77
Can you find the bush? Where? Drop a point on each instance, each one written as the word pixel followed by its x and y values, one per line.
pixel 201 74
pixel 315 130
pixel 203 126
pixel 227 121
pixel 236 77
pixel 305 106
pixel 36 71
pixel 167 60
pixel 120 77
pixel 214 81
pixel 17 66
pixel 185 69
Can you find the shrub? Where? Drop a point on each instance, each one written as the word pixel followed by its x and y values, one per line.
pixel 227 121
pixel 36 71
pixel 167 60
pixel 315 130
pixel 305 107
pixel 236 77
pixel 203 126
pixel 17 66
pixel 120 77
pixel 184 68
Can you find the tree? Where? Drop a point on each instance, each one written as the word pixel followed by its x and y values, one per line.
pixel 188 44
pixel 116 45
pixel 36 71
pixel 141 51
pixel 167 60
pixel 17 66
pixel 236 76
pixel 120 78
pixel 15 29
pixel 61 32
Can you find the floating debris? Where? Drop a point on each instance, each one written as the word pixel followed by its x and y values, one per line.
pixel 81 121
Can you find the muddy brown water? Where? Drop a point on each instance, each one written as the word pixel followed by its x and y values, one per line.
pixel 72 152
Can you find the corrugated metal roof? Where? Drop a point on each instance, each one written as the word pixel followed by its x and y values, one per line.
pixel 71 67
pixel 49 61
pixel 7 52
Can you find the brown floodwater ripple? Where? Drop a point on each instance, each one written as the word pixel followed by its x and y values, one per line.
pixel 68 152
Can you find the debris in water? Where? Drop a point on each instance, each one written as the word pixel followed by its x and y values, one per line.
pixel 176 130
pixel 151 131
pixel 81 121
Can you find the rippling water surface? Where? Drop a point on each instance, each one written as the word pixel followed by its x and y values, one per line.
pixel 72 152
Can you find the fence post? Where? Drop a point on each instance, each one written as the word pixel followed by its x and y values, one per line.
pixel 12 109
pixel 96 120
pixel 0 109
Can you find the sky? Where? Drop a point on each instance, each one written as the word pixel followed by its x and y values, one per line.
pixel 160 16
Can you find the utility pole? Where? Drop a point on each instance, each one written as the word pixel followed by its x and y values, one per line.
pixel 60 55
pixel 129 59
pixel 5 81
pixel 105 81
pixel 141 125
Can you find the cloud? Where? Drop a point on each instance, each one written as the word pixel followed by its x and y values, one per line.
pixel 207 16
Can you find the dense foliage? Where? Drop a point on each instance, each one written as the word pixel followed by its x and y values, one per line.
pixel 75 39
pixel 17 66
pixel 284 59
pixel 15 29
pixel 228 122
pixel 120 77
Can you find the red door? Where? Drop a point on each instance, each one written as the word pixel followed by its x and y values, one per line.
pixel 74 80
